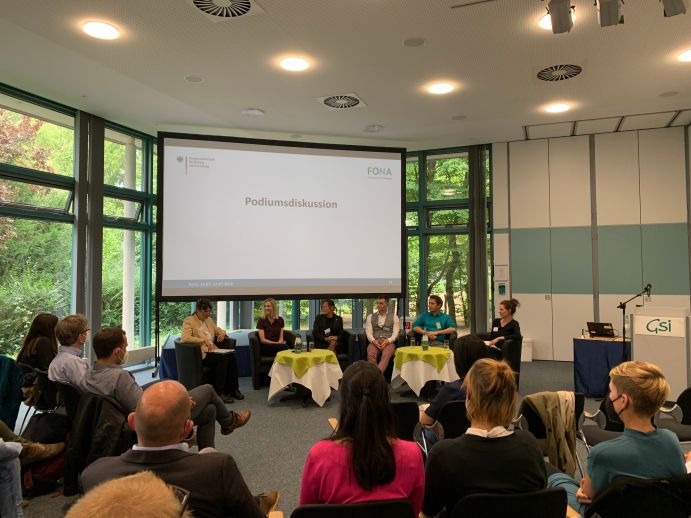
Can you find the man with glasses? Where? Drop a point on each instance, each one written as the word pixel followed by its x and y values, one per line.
pixel 200 329
pixel 162 421
pixel 69 366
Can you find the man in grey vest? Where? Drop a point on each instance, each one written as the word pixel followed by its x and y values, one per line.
pixel 382 330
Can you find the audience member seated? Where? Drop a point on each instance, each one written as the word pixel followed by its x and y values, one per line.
pixel 381 328
pixel 637 390
pixel 199 328
pixel 69 366
pixel 469 349
pixel 328 328
pixel 488 458
pixel 10 479
pixel 504 327
pixel 107 378
pixel 31 451
pixel 162 420
pixel 38 350
pixel 434 323
pixel 270 330
pixel 362 460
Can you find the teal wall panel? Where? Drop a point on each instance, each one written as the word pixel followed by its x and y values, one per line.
pixel 530 260
pixel 572 260
pixel 619 259
pixel 666 258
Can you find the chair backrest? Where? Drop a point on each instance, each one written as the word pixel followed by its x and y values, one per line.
pixel 376 509
pixel 406 416
pixel 453 419
pixel 546 503
pixel 634 497
pixel 71 397
pixel 684 402
pixel 49 392
pixel 189 359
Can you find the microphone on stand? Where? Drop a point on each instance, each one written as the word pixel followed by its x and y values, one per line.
pixel 648 287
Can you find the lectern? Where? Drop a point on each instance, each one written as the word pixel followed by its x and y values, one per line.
pixel 661 336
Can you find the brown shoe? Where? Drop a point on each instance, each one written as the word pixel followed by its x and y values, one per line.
pixel 237 420
pixel 268 501
pixel 35 452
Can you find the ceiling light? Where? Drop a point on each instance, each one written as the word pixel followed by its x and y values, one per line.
pixel 101 30
pixel 374 128
pixel 294 64
pixel 440 88
pixel 414 42
pixel 674 7
pixel 253 112
pixel 685 56
pixel 194 79
pixel 609 12
pixel 557 108
pixel 560 15
pixel 546 22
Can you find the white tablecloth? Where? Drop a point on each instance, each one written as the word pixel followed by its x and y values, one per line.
pixel 320 379
pixel 417 372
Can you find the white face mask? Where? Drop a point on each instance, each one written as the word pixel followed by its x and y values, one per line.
pixel 123 360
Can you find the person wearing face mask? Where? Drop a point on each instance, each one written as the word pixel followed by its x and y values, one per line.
pixel 107 378
pixel 637 390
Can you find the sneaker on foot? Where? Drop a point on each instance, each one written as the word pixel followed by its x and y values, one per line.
pixel 237 420
pixel 35 451
pixel 268 501
pixel 227 399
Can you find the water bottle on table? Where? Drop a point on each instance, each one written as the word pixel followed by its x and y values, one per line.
pixel 298 344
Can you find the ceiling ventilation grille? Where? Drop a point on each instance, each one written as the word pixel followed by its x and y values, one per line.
pixel 224 10
pixel 342 101
pixel 559 72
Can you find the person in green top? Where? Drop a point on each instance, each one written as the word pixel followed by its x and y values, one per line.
pixel 434 323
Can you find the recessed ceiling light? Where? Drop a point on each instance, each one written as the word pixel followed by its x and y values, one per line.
pixel 557 108
pixel 294 64
pixel 253 112
pixel 440 88
pixel 459 117
pixel 374 128
pixel 671 93
pixel 685 56
pixel 546 22
pixel 414 42
pixel 101 30
pixel 194 79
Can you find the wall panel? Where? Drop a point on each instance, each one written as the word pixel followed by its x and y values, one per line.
pixel 529 177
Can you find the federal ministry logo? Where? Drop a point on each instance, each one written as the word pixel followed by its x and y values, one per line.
pixel 181 159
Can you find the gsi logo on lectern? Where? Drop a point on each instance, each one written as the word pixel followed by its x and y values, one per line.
pixel 660 326
pixel 657 325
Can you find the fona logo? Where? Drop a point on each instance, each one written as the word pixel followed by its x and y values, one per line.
pixel 657 325
pixel 379 171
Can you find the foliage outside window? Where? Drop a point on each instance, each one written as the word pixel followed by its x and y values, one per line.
pixel 447 177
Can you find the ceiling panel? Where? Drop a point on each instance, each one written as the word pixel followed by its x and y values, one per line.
pixel 646 121
pixel 590 127
pixel 562 129
pixel 683 119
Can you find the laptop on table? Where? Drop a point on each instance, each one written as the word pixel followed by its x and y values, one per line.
pixel 601 329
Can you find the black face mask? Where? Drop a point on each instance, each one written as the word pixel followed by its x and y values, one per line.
pixel 613 421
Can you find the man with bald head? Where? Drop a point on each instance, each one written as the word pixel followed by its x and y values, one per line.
pixel 162 421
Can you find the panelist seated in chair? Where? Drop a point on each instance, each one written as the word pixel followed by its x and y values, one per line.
pixel 637 390
pixel 504 327
pixel 434 323
pixel 270 330
pixel 328 328
pixel 107 378
pixel 381 328
pixel 199 328
pixel 488 458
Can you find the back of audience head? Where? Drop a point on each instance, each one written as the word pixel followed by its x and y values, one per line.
pixel 490 392
pixel 43 326
pixel 142 494
pixel 162 416
pixel 107 340
pixel 510 305
pixel 468 350
pixel 643 383
pixel 71 328
pixel 366 422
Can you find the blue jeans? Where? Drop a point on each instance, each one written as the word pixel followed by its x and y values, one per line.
pixel 10 480
pixel 571 486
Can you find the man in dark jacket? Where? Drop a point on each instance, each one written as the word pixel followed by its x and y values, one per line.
pixel 162 420
pixel 328 328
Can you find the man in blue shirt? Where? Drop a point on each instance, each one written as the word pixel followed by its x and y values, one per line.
pixel 434 323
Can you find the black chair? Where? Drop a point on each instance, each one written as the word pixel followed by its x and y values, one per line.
pixel 261 365
pixel 48 401
pixel 406 416
pixel 344 358
pixel 191 372
pixel 375 509
pixel 638 498
pixel 546 503
pixel 453 419
pixel 71 397
pixel 416 338
pixel 680 413
pixel 362 340
pixel 511 351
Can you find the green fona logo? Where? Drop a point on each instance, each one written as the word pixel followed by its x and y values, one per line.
pixel 379 171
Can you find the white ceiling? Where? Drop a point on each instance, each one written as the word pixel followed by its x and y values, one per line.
pixel 493 50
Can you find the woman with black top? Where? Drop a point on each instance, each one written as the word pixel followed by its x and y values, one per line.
pixel 39 348
pixel 270 328
pixel 505 327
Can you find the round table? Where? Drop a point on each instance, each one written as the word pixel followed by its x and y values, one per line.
pixel 416 367
pixel 317 370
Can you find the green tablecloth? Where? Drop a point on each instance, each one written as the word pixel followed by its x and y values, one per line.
pixel 435 356
pixel 302 362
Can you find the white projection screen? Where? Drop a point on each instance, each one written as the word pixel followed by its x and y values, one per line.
pixel 247 219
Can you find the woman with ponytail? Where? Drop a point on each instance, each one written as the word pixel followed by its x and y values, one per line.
pixel 488 458
pixel 363 460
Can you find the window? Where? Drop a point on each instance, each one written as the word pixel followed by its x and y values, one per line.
pixel 122 160
pixel 411 219
pixel 413 275
pixel 447 275
pixel 412 180
pixel 447 177
pixel 449 218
